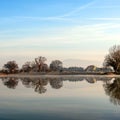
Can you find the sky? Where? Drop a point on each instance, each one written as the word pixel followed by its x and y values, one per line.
pixel 77 32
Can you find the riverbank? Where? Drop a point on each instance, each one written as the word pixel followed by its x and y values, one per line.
pixel 56 76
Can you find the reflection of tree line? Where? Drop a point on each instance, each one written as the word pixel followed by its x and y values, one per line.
pixel 37 83
pixel 56 83
pixel 111 85
pixel 89 79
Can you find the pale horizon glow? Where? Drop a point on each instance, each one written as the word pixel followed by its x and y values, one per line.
pixel 79 33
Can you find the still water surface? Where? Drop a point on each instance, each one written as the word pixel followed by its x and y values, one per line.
pixel 60 98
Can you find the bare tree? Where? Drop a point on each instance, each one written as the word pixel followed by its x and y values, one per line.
pixel 28 66
pixel 40 62
pixel 113 58
pixel 56 65
pixel 10 67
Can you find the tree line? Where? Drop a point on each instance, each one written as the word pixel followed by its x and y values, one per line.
pixel 112 59
pixel 38 65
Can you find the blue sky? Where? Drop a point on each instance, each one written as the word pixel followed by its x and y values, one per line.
pixel 58 29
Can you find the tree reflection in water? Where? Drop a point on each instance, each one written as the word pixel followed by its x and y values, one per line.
pixel 112 88
pixel 10 82
pixel 27 82
pixel 91 80
pixel 37 83
pixel 56 83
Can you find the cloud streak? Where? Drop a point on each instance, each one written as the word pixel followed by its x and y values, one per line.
pixel 64 17
pixel 76 10
pixel 106 19
pixel 75 35
pixel 107 6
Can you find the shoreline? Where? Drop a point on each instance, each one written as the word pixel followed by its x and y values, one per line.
pixel 56 76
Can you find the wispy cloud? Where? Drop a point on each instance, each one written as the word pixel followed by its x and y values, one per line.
pixel 106 19
pixel 106 6
pixel 22 19
pixel 74 35
pixel 64 17
pixel 40 18
pixel 76 10
pixel 13 19
pixel 87 41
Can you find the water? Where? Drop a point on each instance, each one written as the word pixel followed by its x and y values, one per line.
pixel 60 98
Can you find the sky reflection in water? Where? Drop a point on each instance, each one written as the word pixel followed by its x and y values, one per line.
pixel 60 98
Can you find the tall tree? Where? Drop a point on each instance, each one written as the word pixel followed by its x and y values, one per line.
pixel 40 62
pixel 28 66
pixel 10 67
pixel 113 58
pixel 56 65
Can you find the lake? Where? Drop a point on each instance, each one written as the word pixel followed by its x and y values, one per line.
pixel 81 98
